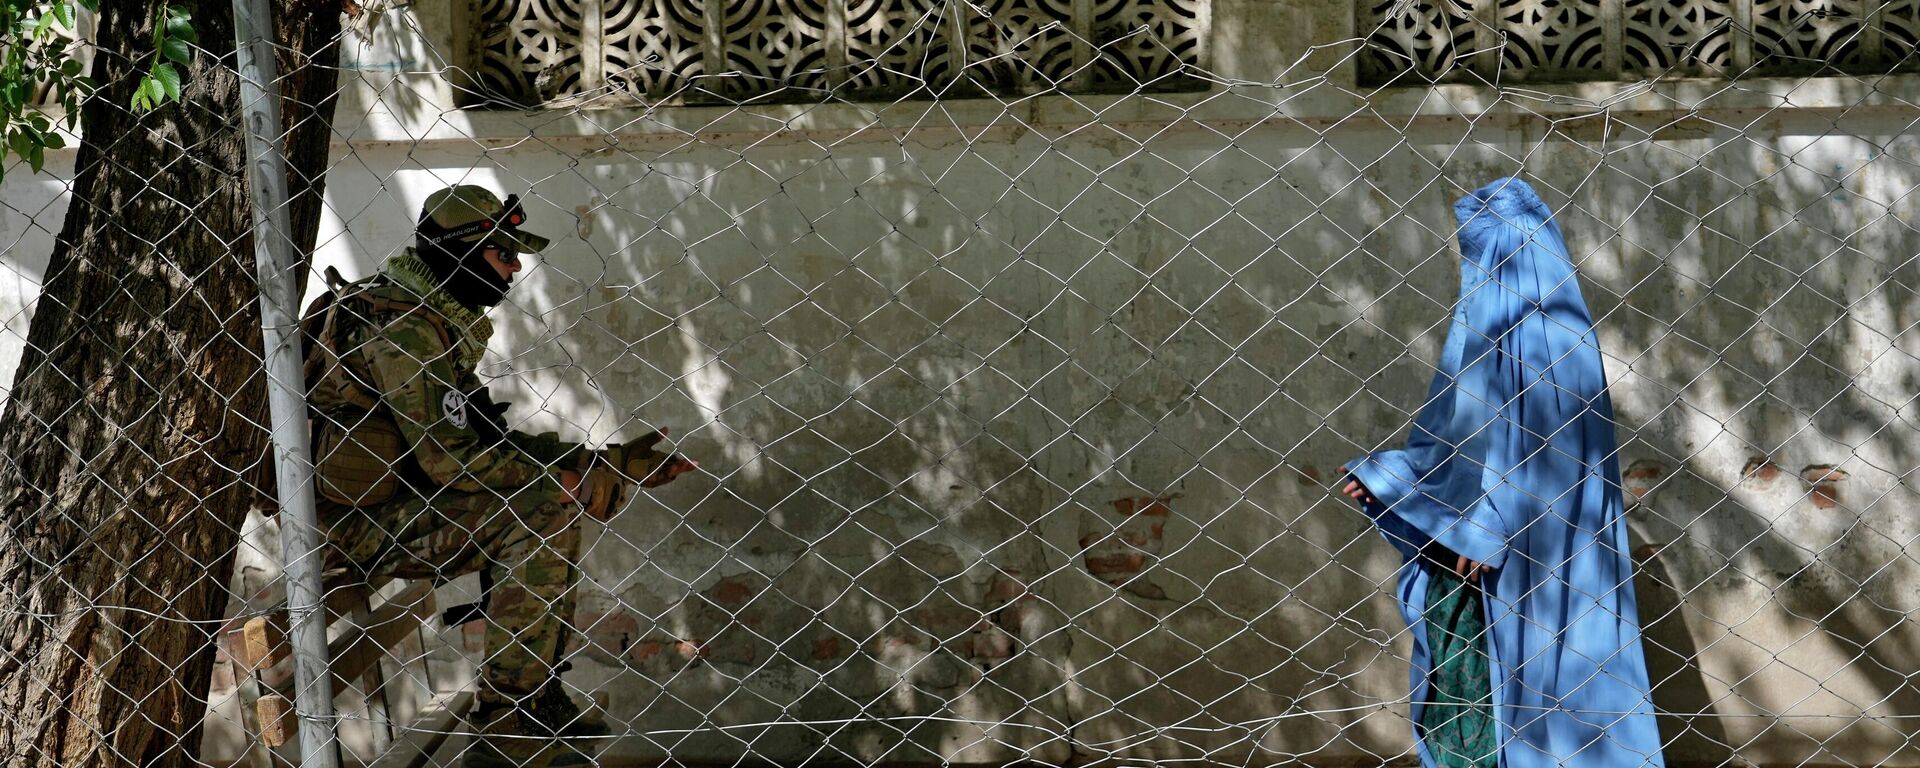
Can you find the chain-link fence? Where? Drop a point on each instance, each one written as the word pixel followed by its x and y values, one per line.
pixel 1022 346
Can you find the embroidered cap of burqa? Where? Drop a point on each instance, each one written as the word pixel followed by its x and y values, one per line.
pixel 1512 462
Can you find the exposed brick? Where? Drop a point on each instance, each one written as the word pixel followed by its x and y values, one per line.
pixel 889 645
pixel 1825 480
pixel 608 634
pixel 1150 506
pixel 1141 505
pixel 827 648
pixel 1136 538
pixel 672 651
pixel 1007 586
pixel 1761 470
pixel 645 650
pixel 1826 496
pixel 1646 553
pixel 1646 469
pixel 1114 569
pixel 1015 615
pixel 1118 556
pixel 733 591
pixel 612 623
pixel 990 644
pixel 1642 477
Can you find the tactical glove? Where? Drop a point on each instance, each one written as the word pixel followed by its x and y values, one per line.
pixel 640 463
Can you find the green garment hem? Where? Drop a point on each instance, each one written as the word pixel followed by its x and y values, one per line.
pixel 1457 722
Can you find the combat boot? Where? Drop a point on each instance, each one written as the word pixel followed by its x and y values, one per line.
pixel 581 733
pixel 547 730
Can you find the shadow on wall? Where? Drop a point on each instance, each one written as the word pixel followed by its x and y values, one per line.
pixel 1018 447
pixel 1765 388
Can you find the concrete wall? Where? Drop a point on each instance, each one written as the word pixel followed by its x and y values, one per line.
pixel 1020 420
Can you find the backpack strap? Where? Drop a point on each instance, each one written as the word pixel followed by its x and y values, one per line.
pixel 321 321
pixel 317 327
pixel 324 324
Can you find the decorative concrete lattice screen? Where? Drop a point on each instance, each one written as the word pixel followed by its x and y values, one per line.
pixel 1520 41
pixel 560 52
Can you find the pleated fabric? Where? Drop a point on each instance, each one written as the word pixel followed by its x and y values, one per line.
pixel 1512 462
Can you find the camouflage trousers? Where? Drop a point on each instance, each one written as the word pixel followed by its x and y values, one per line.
pixel 528 547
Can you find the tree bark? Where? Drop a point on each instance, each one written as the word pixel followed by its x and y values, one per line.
pixel 139 405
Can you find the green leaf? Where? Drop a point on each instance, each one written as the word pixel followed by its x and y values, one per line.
pixel 44 26
pixel 143 94
pixel 55 141
pixel 64 13
pixel 19 143
pixel 37 157
pixel 38 121
pixel 71 67
pixel 176 49
pixel 179 24
pixel 169 80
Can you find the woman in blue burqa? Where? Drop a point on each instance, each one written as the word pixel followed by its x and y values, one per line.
pixel 1506 504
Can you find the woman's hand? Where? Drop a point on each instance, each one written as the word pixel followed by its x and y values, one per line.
pixel 1355 489
pixel 1466 569
pixel 1469 569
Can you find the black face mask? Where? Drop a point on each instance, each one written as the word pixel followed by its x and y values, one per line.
pixel 467 277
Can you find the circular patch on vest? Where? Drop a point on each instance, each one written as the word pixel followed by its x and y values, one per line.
pixel 454 405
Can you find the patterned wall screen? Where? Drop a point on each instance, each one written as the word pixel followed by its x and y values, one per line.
pixel 1423 41
pixel 563 52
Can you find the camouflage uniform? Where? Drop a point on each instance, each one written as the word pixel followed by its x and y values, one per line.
pixel 470 501
pixel 398 353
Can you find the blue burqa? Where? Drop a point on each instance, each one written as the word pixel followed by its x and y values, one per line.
pixel 1512 463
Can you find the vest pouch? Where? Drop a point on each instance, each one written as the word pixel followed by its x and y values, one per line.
pixel 357 463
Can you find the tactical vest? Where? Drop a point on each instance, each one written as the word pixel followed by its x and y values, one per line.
pixel 358 452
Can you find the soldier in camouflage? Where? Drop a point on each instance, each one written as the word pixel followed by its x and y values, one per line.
pixel 420 479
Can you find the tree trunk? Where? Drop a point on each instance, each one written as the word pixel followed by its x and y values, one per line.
pixel 140 402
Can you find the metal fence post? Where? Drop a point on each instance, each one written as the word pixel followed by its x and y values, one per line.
pixel 279 319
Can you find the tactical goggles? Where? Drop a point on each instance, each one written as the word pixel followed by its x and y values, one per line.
pixel 509 221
